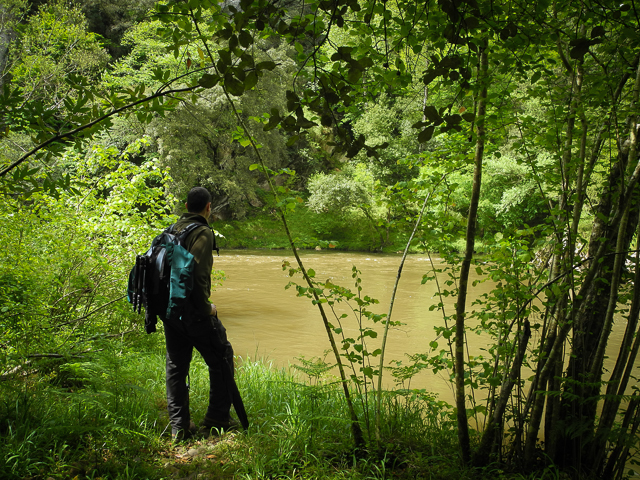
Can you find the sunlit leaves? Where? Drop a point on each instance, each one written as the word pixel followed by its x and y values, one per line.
pixel 78 247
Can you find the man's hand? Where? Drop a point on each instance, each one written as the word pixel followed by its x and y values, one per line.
pixel 214 310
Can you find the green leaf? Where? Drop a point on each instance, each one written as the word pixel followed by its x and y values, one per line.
pixel 580 48
pixel 535 77
pixel 266 65
pixel 225 56
pixel 431 113
pixel 326 120
pixel 469 117
pixel 426 134
pixel 208 81
pixel 233 43
pixel 233 85
pixel 245 39
pixel 253 167
pixel 250 81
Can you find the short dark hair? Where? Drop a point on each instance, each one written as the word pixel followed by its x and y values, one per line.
pixel 197 199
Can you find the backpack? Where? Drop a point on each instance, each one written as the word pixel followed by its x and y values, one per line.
pixel 161 280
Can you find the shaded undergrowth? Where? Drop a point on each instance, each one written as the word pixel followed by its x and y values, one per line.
pixel 104 418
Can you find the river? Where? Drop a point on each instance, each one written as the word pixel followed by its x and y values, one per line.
pixel 265 320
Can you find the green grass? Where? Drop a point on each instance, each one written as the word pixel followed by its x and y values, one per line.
pixel 310 230
pixel 104 418
pixel 95 415
pixel 352 232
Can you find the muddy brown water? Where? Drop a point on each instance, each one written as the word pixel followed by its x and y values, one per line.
pixel 265 320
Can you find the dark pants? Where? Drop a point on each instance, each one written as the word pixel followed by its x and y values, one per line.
pixel 209 337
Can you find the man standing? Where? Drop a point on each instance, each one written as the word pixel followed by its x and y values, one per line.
pixel 199 327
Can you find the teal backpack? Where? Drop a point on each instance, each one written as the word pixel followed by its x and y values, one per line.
pixel 162 279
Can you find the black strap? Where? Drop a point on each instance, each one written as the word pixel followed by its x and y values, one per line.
pixel 220 352
pixel 182 235
pixel 236 399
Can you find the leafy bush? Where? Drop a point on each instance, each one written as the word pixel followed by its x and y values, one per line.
pixel 66 257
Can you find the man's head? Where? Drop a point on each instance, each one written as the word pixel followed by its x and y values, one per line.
pixel 198 200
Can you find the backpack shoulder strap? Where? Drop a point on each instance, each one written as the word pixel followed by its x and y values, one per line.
pixel 182 236
pixel 188 229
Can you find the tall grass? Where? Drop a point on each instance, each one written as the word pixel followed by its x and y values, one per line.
pixel 104 417
pixel 96 415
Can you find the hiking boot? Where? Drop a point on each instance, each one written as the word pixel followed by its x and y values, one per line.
pixel 218 427
pixel 179 435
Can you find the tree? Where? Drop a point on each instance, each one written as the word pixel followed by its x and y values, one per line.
pixel 54 43
pixel 66 258
pixel 113 18
pixel 579 62
pixel 345 192
pixel 10 13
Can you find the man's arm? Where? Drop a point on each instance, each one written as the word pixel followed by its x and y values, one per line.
pixel 202 250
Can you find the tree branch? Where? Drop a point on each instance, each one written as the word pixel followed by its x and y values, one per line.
pixel 61 136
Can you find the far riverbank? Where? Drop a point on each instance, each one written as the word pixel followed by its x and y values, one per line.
pixel 264 230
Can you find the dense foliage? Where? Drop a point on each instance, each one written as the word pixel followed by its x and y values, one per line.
pixel 506 127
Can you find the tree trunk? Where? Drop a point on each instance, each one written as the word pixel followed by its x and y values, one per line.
pixel 618 380
pixel 490 437
pixel 463 426
pixel 593 325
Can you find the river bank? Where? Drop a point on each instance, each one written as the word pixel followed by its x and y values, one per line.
pixel 104 418
pixel 263 230
pixel 102 415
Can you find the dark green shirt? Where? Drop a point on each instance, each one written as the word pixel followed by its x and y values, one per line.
pixel 200 244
